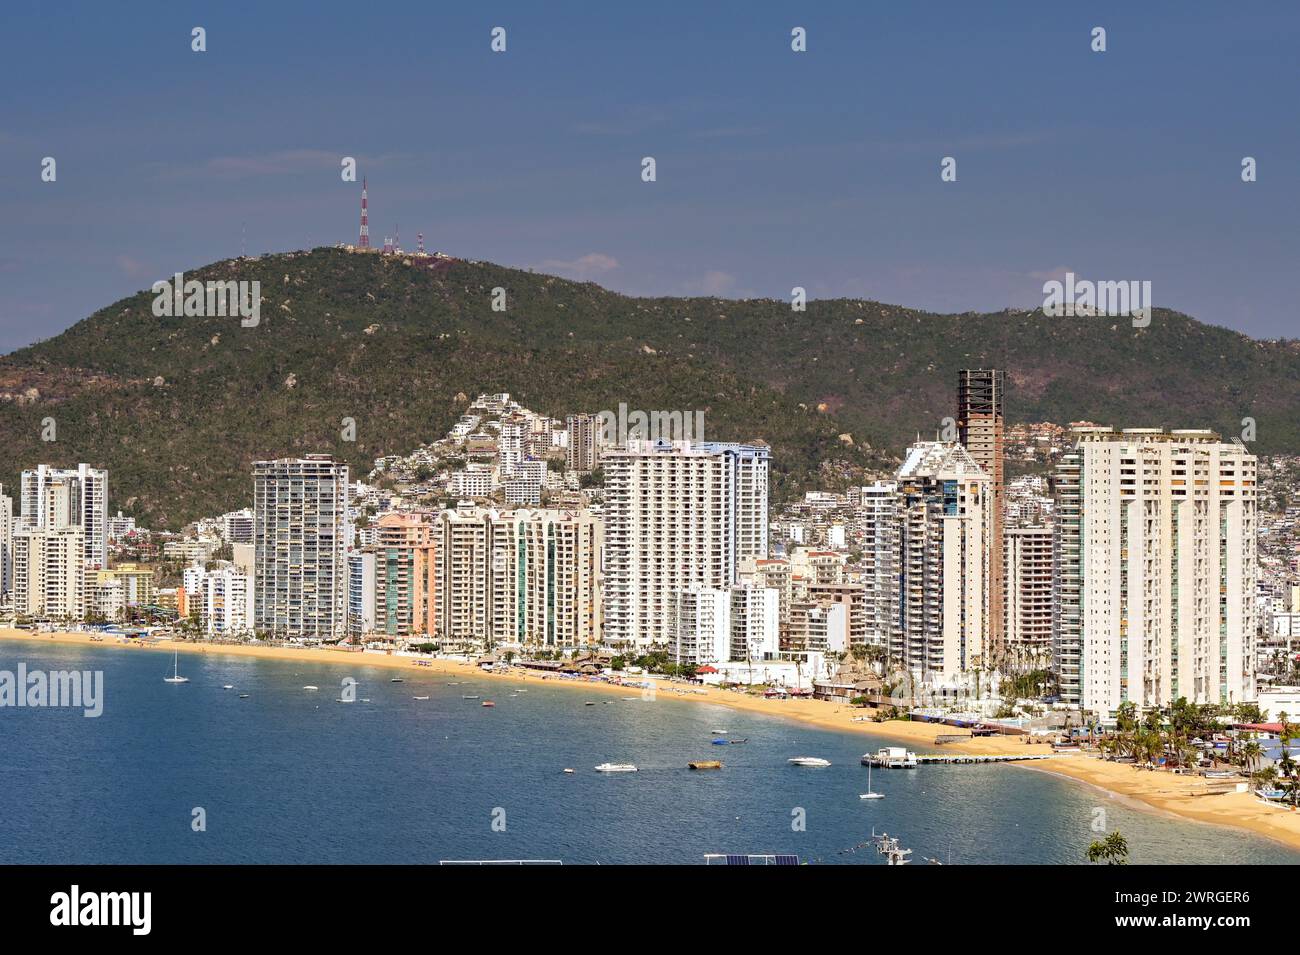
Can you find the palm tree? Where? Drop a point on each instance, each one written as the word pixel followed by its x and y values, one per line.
pixel 1113 850
pixel 1250 753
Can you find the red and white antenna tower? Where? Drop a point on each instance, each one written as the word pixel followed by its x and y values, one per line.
pixel 364 242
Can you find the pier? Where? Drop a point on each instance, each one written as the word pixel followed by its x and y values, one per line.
pixel 974 758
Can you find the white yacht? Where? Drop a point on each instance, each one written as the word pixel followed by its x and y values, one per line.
pixel 616 768
pixel 808 761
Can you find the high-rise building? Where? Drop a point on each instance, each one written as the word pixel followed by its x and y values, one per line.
pixel 361 593
pixel 980 430
pixel 710 625
pixel 1156 569
pixel 755 623
pixel 699 625
pixel 510 446
pixel 527 576
pixel 299 513
pixel 1027 602
pixel 6 544
pixel 50 572
pixel 676 514
pixel 405 576
pixel 54 498
pixel 582 451
pixel 879 510
pixel 945 516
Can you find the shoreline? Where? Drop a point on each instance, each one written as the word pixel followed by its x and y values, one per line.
pixel 1183 797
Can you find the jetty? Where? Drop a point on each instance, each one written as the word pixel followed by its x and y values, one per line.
pixel 914 759
pixel 976 758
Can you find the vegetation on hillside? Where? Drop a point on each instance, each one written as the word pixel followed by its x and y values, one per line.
pixel 178 408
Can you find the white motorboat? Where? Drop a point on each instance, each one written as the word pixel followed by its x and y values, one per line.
pixel 808 761
pixel 616 768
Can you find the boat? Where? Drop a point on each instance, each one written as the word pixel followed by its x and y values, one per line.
pixel 469 697
pixel 719 732
pixel 342 700
pixel 870 793
pixel 568 771
pixel 243 696
pixel 487 703
pixel 705 764
pixel 310 687
pixel 419 697
pixel 737 742
pixel 589 703
pixel 616 768
pixel 176 676
pixel 808 761
pixel 721 742
pixel 397 679
pixel 890 757
pixel 228 686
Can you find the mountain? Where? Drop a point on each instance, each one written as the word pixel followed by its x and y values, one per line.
pixel 177 408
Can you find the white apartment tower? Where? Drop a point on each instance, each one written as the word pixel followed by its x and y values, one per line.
pixel 879 509
pixel 1027 599
pixel 945 503
pixel 50 572
pixel 54 498
pixel 676 514
pixel 300 566
pixel 1156 569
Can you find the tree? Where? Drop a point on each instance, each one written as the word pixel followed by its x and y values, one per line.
pixel 1113 850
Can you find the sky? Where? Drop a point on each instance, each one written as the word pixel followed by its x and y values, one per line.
pixel 774 168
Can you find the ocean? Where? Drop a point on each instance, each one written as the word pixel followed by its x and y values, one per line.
pixel 289 775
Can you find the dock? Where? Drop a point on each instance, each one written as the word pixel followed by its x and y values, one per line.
pixel 974 758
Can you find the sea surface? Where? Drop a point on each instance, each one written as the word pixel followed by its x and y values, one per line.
pixel 289 775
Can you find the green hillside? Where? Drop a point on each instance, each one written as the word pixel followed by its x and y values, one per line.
pixel 177 408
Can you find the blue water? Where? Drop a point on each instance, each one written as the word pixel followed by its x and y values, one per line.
pixel 291 776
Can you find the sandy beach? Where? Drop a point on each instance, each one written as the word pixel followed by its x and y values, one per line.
pixel 1186 797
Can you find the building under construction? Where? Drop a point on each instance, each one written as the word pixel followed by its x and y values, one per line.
pixel 980 394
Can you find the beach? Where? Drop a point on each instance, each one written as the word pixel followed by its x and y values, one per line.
pixel 1185 797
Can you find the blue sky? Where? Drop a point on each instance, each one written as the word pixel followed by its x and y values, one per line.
pixel 775 169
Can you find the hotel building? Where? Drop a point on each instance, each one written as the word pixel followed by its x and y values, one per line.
pixel 1156 569
pixel 676 514
pixel 299 513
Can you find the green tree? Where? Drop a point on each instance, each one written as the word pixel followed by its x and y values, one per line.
pixel 1113 850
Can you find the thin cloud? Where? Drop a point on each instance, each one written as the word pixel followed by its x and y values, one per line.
pixel 584 268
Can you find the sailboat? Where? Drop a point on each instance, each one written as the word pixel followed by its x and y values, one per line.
pixel 175 677
pixel 870 793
